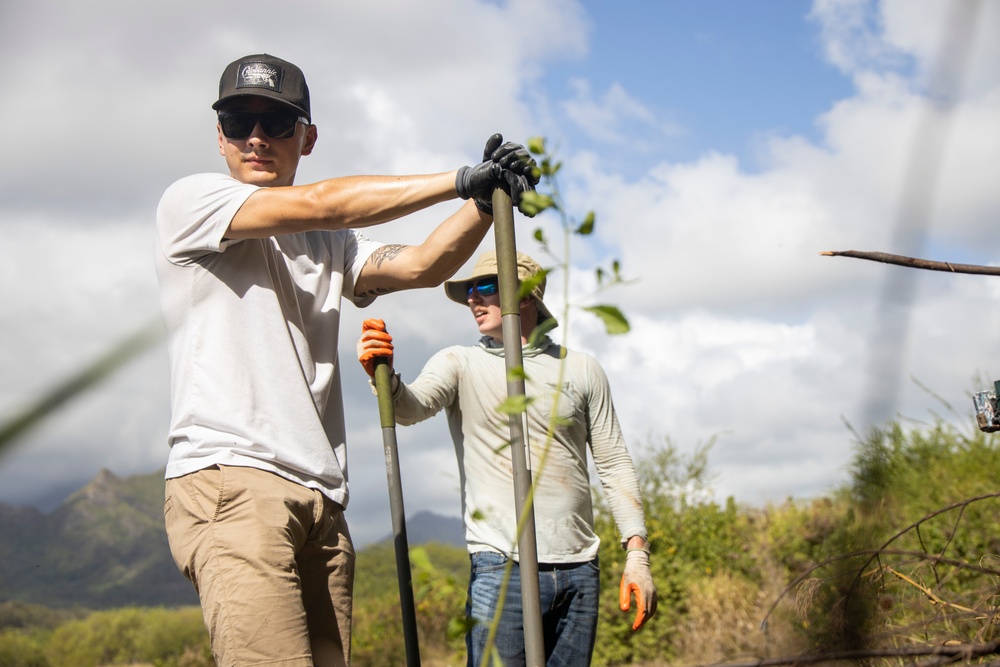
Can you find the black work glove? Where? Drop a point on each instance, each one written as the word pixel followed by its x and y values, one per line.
pixel 516 158
pixel 520 174
pixel 516 185
pixel 477 183
pixel 506 165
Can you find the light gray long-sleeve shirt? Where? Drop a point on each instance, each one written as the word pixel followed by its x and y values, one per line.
pixel 469 383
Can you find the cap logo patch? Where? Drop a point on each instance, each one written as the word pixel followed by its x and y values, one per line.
pixel 259 75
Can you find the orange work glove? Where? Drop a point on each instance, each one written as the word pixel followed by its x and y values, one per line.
pixel 636 578
pixel 375 343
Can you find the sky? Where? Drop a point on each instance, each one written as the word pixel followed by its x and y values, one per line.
pixel 722 146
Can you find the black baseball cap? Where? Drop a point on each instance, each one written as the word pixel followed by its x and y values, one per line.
pixel 263 75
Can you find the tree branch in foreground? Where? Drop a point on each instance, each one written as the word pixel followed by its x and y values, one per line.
pixel 915 263
pixel 954 652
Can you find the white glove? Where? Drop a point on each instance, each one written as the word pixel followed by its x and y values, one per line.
pixel 636 578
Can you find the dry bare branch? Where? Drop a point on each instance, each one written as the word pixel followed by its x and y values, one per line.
pixel 949 653
pixel 915 263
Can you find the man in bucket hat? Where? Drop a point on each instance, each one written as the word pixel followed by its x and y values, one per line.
pixel 252 269
pixel 468 383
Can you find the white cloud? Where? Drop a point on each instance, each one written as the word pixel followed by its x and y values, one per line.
pixel 942 45
pixel 615 116
pixel 741 331
pixel 851 35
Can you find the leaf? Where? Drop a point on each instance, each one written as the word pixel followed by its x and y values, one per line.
pixel 516 374
pixel 420 560
pixel 536 145
pixel 614 320
pixel 541 330
pixel 539 236
pixel 515 405
pixel 586 228
pixel 528 284
pixel 79 384
pixel 458 626
pixel 533 203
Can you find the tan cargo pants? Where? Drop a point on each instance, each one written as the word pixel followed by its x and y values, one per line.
pixel 272 562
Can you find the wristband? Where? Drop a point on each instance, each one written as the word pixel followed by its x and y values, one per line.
pixel 460 182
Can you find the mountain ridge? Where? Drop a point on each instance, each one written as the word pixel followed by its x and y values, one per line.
pixel 105 546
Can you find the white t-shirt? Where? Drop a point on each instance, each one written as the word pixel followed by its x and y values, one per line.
pixel 252 331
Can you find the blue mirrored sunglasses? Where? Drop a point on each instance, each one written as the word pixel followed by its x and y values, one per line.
pixel 485 287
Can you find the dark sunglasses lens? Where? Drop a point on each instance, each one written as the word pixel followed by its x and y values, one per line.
pixel 278 125
pixel 237 125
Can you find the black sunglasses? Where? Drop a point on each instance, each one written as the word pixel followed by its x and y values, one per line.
pixel 276 124
pixel 485 287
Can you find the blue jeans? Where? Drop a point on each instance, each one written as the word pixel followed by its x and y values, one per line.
pixel 569 595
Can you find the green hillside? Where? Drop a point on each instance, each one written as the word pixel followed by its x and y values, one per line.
pixel 105 546
pixel 897 567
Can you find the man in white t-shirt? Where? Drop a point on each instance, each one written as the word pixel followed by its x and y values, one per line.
pixel 252 270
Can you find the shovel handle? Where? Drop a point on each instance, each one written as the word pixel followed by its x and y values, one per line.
pixel 407 607
pixel 383 385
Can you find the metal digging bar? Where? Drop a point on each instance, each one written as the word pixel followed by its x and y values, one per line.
pixel 387 414
pixel 503 227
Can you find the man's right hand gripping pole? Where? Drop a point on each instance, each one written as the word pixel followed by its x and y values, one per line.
pixel 375 343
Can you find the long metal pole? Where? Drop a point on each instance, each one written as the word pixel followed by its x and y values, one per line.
pixel 503 227
pixel 387 414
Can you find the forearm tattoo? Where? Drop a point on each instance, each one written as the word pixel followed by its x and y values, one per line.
pixel 386 253
pixel 379 291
